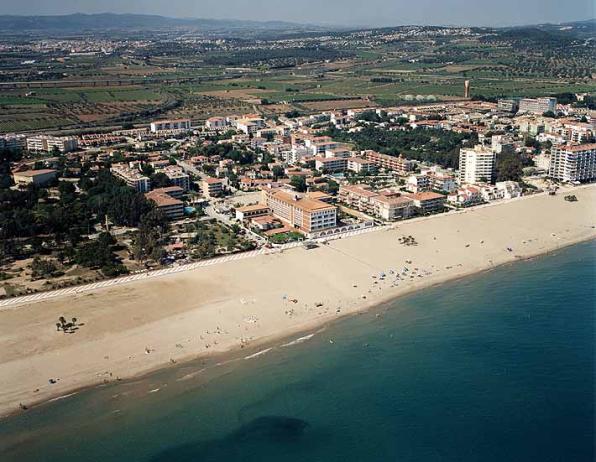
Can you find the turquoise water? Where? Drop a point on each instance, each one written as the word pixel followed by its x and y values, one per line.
pixel 498 367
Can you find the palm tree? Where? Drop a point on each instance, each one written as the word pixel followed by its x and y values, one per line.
pixel 58 325
pixel 74 321
pixel 62 320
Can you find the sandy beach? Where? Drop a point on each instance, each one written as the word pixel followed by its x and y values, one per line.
pixel 132 329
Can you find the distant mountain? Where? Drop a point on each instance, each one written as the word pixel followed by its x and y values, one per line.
pixel 75 23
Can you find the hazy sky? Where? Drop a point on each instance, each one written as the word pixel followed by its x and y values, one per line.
pixel 348 12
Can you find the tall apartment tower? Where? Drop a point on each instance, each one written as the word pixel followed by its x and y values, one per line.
pixel 573 163
pixel 477 165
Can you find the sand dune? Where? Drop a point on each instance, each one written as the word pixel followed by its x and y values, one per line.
pixel 132 329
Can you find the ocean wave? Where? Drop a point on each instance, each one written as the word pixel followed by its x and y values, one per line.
pixel 299 340
pixel 259 353
pixel 58 398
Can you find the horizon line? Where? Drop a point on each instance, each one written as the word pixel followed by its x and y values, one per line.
pixel 305 23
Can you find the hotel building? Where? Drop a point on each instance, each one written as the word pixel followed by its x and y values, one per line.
pixel 573 163
pixel 538 105
pixel 301 212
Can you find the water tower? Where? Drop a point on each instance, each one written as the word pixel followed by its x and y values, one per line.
pixel 466 89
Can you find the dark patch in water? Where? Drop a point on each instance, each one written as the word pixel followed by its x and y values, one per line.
pixel 273 430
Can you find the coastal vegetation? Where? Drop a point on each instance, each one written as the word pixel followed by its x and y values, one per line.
pixel 434 146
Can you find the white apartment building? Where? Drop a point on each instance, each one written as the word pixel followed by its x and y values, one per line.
pixel 418 183
pixel 216 123
pixel 131 177
pixel 441 179
pixel 360 165
pixel 501 144
pixel 45 143
pixel 501 190
pixel 331 164
pixel 177 176
pixel 297 153
pixel 250 126
pixel 320 148
pixel 537 105
pixel 476 165
pixel 163 125
pixel 392 207
pixel 573 163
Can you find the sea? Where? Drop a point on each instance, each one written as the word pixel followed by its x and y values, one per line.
pixel 498 367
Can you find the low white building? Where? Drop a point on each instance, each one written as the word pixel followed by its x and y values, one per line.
pixel 164 125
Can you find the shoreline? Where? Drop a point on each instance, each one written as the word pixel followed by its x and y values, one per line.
pixel 263 346
pixel 335 256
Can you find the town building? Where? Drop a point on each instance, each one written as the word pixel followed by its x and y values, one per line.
pixel 177 176
pixel 319 148
pixel 216 123
pixel 131 177
pixel 174 191
pixel 508 105
pixel 251 211
pixel 428 202
pixel 359 197
pixel 386 205
pixel 13 142
pixel 418 183
pixel 44 143
pixel 35 177
pixel 501 144
pixel 331 164
pixel 165 125
pixel 442 181
pixel 537 105
pixel 392 207
pixel 360 165
pixel 250 126
pixel 171 207
pixel 465 196
pixel 398 164
pixel 573 163
pixel 476 165
pixel 301 212
pixel 501 190
pixel 212 187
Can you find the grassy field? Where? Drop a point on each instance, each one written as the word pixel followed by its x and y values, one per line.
pixel 393 73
